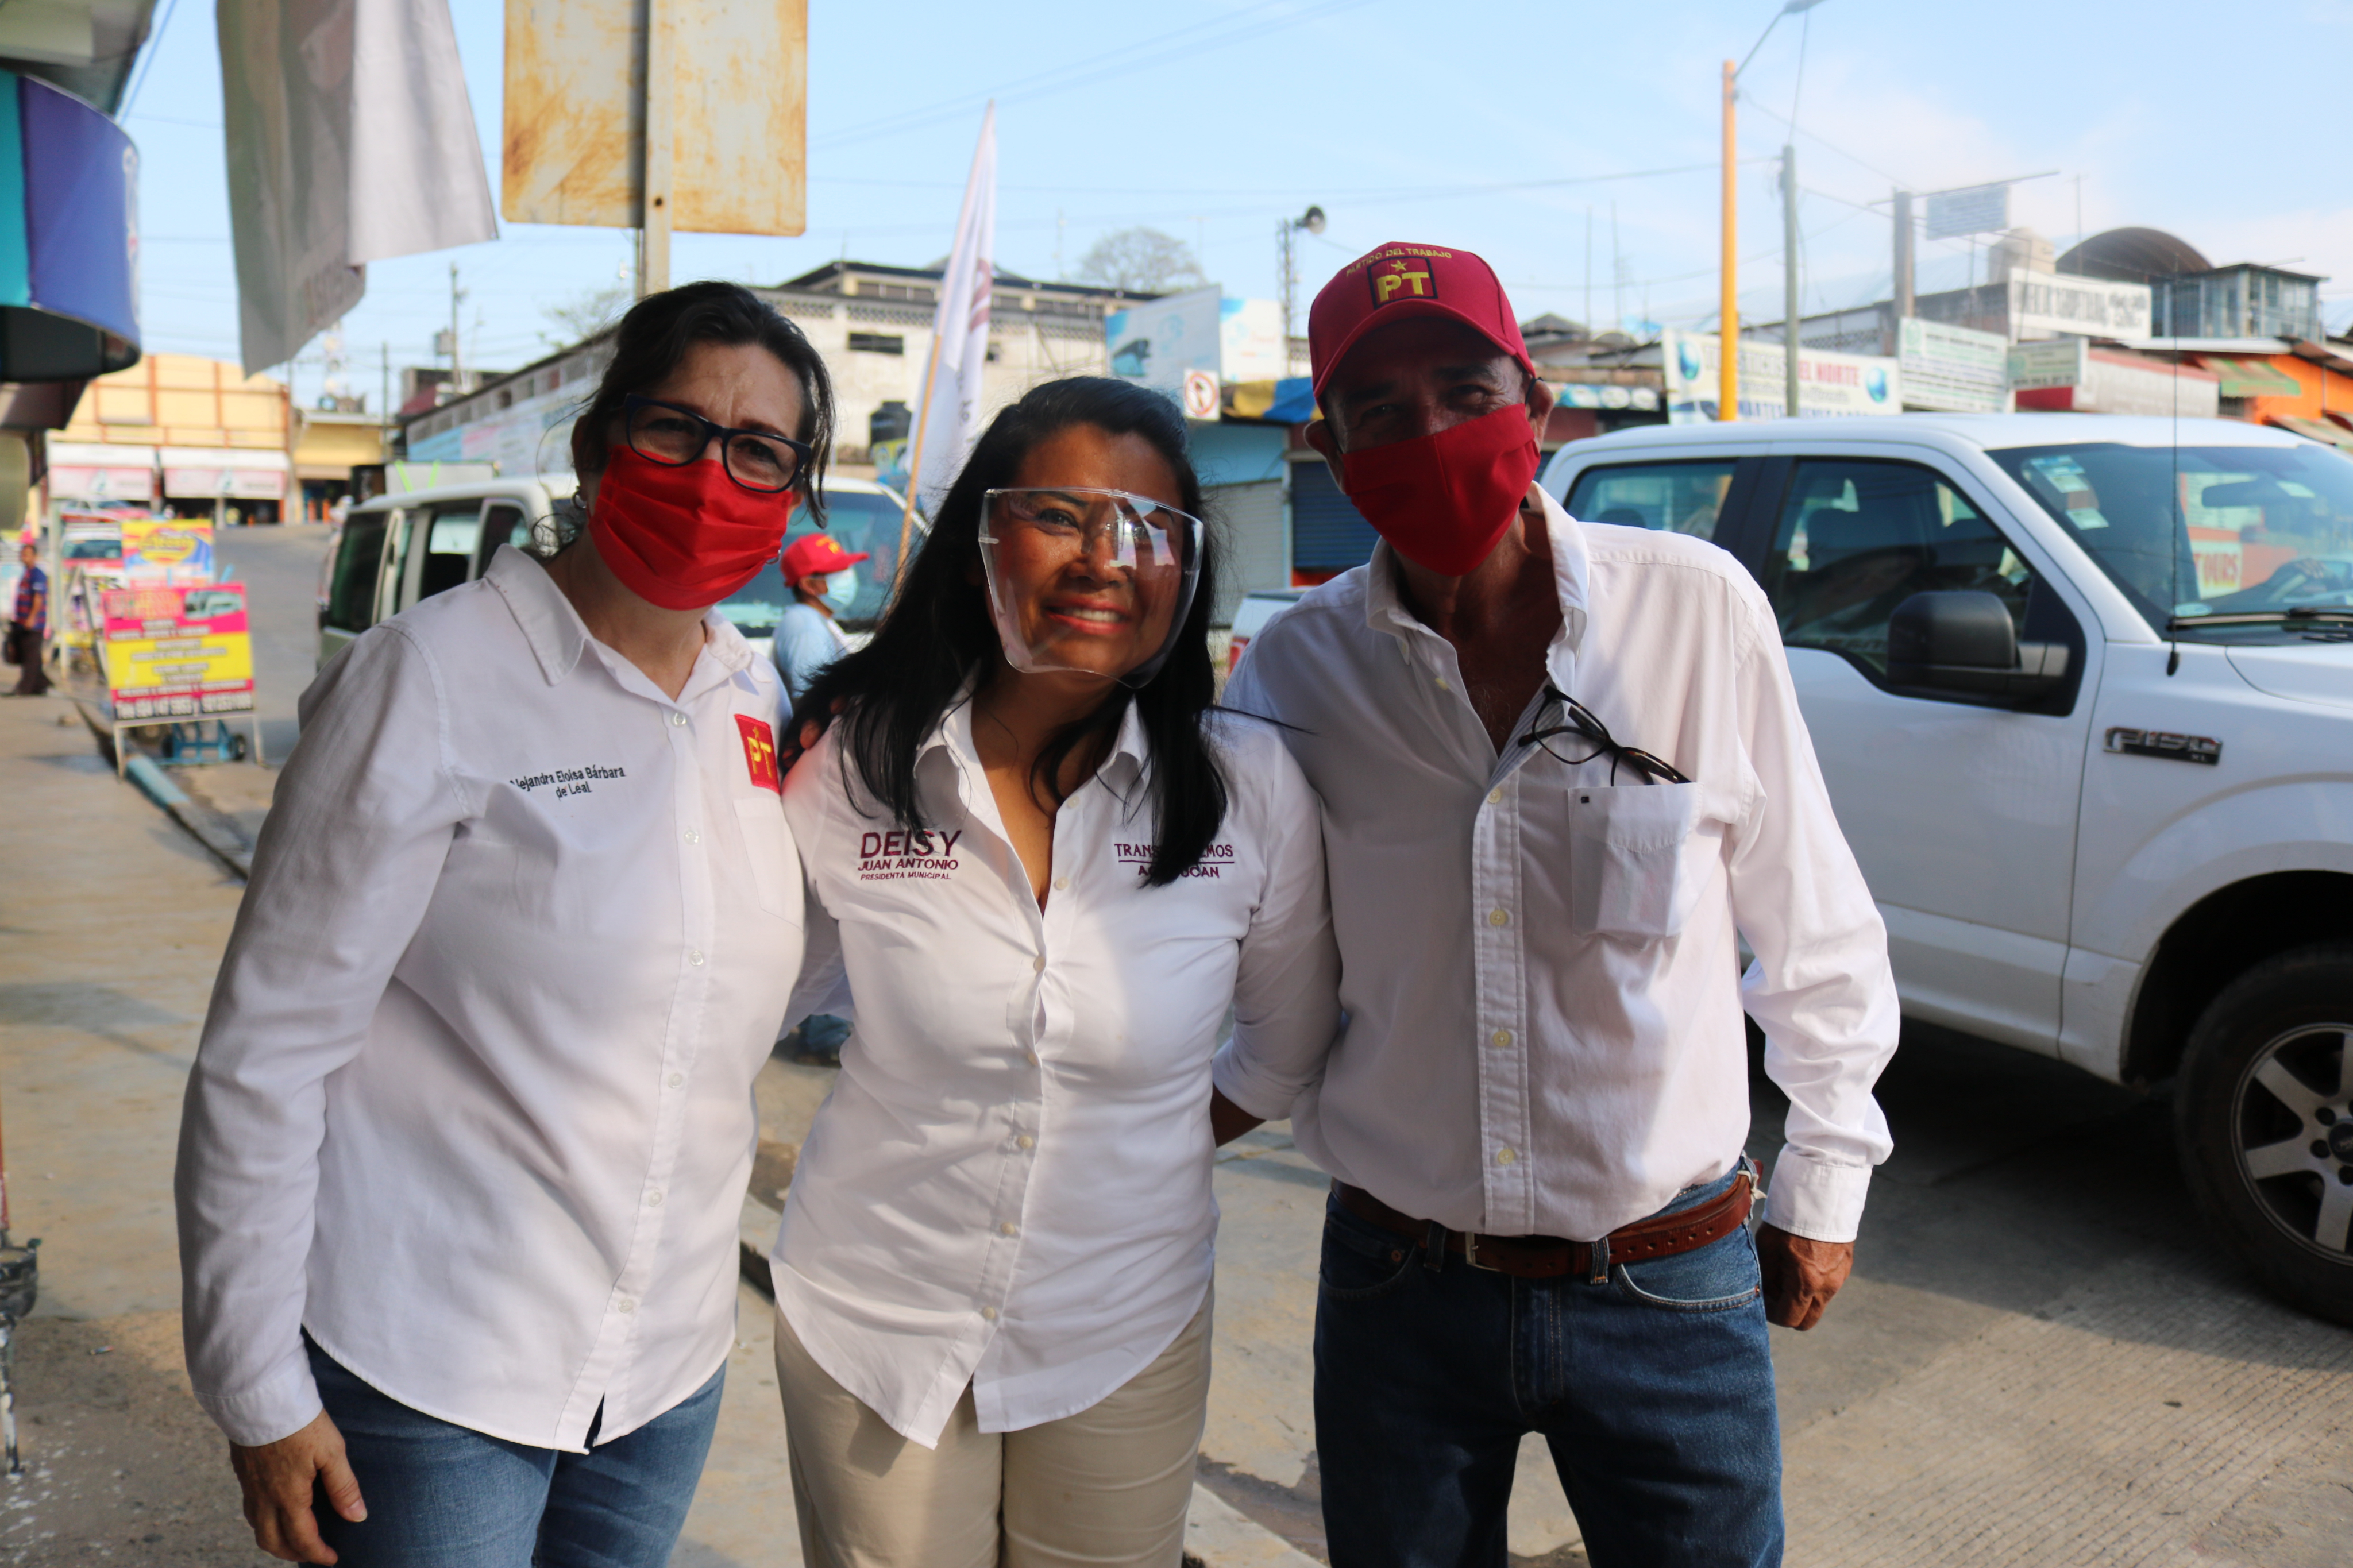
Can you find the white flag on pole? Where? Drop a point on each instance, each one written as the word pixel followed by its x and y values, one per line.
pixel 951 399
pixel 349 139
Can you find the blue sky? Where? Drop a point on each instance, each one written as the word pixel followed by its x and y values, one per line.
pixel 1401 118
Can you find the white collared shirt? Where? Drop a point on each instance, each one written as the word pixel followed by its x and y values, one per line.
pixel 473 1103
pixel 1544 1030
pixel 1009 1185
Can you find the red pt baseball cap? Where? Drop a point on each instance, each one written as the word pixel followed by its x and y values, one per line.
pixel 815 554
pixel 1396 282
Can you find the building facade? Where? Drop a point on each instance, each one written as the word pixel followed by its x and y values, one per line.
pixel 197 437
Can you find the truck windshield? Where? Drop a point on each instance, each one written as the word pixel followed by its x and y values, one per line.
pixel 2204 530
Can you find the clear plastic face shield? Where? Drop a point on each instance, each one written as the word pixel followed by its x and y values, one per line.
pixel 1088 582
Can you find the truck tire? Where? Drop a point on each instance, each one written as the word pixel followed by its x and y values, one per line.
pixel 2265 1126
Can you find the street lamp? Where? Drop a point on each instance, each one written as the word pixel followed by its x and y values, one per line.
pixel 1311 221
pixel 1727 395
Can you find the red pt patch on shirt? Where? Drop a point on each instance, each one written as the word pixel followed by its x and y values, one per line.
pixel 760 751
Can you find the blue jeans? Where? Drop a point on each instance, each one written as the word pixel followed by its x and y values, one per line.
pixel 1654 1392
pixel 443 1496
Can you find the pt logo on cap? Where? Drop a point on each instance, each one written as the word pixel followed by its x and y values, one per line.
pixel 760 751
pixel 1402 277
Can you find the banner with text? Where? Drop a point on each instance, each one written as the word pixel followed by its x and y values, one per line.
pixel 1830 386
pixel 178 652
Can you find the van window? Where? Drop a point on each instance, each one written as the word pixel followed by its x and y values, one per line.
pixel 449 543
pixel 1857 539
pixel 502 523
pixel 1681 498
pixel 350 598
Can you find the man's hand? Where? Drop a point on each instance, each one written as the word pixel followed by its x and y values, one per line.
pixel 1228 1121
pixel 1801 1275
pixel 279 1479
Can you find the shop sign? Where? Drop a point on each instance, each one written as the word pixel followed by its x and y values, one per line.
pixel 1953 369
pixel 2091 307
pixel 1830 386
pixel 177 652
pixel 2063 361
pixel 165 550
pixel 1154 344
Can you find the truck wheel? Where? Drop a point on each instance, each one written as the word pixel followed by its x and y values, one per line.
pixel 2263 1113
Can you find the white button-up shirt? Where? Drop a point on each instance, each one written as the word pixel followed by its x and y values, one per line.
pixel 1540 966
pixel 473 1102
pixel 1009 1184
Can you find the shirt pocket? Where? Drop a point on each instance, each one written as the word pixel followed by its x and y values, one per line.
pixel 1638 858
pixel 768 850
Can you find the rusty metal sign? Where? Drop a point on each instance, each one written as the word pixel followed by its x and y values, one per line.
pixel 574 139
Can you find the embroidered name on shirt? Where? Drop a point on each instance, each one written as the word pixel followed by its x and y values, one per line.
pixel 568 782
pixel 907 852
pixel 1140 856
pixel 760 751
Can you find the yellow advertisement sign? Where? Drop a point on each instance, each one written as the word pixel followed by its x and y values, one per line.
pixel 178 653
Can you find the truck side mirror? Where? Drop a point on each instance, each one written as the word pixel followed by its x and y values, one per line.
pixel 1963 641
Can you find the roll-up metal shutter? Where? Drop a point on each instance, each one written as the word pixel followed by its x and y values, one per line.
pixel 1327 533
pixel 1249 520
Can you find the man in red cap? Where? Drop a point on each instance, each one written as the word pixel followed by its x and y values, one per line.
pixel 1563 775
pixel 809 636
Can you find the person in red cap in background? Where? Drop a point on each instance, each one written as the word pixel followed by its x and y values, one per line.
pixel 1563 771
pixel 808 635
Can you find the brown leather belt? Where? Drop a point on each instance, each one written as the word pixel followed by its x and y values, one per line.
pixel 1550 1257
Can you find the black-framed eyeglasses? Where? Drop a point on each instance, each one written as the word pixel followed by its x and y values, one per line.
pixel 664 433
pixel 1595 736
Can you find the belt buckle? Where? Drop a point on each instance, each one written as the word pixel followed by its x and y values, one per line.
pixel 1471 1253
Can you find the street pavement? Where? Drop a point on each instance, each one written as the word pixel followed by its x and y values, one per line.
pixel 2040 1360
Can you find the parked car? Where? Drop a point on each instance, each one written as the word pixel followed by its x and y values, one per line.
pixel 393 550
pixel 1258 607
pixel 2083 690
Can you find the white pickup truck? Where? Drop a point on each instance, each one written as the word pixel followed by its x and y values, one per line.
pixel 2083 690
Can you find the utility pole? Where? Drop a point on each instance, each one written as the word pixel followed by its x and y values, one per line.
pixel 1312 220
pixel 1904 265
pixel 456 365
pixel 383 408
pixel 1589 272
pixel 1728 389
pixel 1789 276
pixel 653 235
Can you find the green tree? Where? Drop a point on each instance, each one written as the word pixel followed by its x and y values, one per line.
pixel 1142 261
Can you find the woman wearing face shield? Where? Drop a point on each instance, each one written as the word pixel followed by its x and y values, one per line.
pixel 1042 869
pixel 465 1145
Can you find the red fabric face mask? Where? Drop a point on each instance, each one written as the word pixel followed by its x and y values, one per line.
pixel 1443 500
pixel 684 538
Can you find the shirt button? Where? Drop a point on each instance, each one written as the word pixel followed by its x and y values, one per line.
pixel 1061 884
pixel 1499 917
pixel 1026 1141
pixel 653 1199
pixel 677 721
pixel 989 1313
pixel 626 1305
pixel 695 955
pixel 1501 1037
pixel 1495 796
pixel 1008 1229
pixel 1506 1155
pixel 1038 965
pixel 693 836
pixel 677 1078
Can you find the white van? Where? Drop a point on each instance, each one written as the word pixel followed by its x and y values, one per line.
pixel 2083 690
pixel 394 549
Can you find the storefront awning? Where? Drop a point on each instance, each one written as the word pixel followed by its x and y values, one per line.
pixel 69 178
pixel 85 472
pixel 2320 430
pixel 2251 378
pixel 204 472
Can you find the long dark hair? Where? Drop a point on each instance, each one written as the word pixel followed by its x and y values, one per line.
pixel 652 341
pixel 936 637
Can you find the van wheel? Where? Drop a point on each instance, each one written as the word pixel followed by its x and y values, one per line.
pixel 2263 1113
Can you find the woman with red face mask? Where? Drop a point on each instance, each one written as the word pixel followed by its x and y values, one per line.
pixel 471 1118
